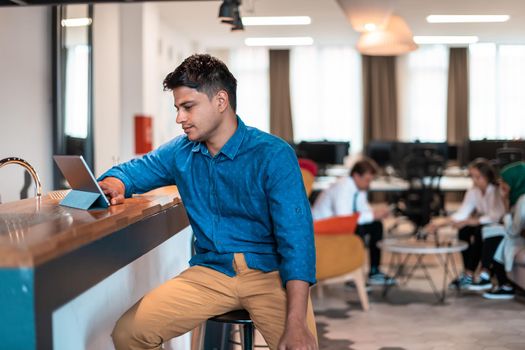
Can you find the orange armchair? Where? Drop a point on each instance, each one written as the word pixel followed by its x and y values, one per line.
pixel 340 254
pixel 309 172
pixel 308 181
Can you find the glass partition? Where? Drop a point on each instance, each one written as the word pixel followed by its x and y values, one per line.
pixel 72 107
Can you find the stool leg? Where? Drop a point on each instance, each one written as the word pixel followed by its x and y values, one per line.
pixel 247 336
pixel 197 337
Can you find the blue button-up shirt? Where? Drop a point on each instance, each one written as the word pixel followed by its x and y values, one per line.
pixel 249 198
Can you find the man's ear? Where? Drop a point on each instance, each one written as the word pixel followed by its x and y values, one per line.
pixel 223 100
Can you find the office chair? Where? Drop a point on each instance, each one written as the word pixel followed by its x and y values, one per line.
pixel 423 170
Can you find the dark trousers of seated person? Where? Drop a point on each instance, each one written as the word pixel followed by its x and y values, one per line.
pixel 490 245
pixel 471 255
pixel 374 231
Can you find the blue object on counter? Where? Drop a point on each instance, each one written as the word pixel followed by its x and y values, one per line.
pixel 83 200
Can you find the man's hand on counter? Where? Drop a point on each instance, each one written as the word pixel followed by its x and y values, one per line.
pixel 114 189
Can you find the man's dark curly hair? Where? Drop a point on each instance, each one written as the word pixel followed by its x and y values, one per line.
pixel 206 74
pixel 363 166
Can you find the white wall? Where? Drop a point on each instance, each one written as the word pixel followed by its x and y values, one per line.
pixel 131 83
pixel 106 86
pixel 152 87
pixel 25 96
pixel 133 52
pixel 173 49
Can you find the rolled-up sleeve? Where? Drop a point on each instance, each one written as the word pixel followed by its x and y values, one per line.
pixel 147 172
pixel 467 207
pixel 291 217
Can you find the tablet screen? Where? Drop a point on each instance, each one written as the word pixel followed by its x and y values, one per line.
pixel 79 176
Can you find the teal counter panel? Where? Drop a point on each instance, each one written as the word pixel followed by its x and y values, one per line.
pixel 17 321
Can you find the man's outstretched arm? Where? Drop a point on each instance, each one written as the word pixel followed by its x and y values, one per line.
pixel 296 334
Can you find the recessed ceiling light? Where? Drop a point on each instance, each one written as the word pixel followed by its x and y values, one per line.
pixel 436 39
pixel 370 27
pixel 277 21
pixel 76 22
pixel 282 41
pixel 467 18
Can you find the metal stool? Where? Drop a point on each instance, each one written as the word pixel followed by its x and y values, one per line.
pixel 245 323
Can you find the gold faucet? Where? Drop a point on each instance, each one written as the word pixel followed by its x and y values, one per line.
pixel 29 168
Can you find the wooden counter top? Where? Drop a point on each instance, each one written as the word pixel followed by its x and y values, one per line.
pixel 33 232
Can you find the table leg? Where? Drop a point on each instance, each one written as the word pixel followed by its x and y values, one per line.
pixel 453 269
pixel 430 281
pixel 393 267
pixel 444 291
pixel 391 264
pixel 398 268
pixel 411 273
pixel 456 274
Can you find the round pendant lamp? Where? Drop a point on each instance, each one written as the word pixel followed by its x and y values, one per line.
pixel 392 40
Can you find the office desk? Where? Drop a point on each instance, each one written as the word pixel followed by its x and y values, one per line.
pixel 396 184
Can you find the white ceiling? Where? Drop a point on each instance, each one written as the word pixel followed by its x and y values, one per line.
pixel 198 19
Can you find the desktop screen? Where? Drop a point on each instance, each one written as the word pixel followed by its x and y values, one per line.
pixel 323 152
pixel 402 150
pixel 395 152
pixel 380 152
pixel 488 148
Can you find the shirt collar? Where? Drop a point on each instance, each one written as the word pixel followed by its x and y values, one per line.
pixel 353 185
pixel 198 147
pixel 231 148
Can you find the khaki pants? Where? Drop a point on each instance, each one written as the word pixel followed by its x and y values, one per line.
pixel 199 293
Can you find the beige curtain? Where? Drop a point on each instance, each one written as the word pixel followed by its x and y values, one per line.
pixel 280 105
pixel 457 100
pixel 380 98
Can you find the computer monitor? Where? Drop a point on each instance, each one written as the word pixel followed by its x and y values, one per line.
pixel 437 148
pixel 488 148
pixel 380 152
pixel 401 150
pixel 453 152
pixel 506 156
pixel 323 152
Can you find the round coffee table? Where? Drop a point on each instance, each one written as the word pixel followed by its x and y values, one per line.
pixel 402 249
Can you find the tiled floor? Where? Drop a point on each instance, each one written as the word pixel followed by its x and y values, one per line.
pixel 411 318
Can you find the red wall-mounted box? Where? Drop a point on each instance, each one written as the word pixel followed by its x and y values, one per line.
pixel 143 134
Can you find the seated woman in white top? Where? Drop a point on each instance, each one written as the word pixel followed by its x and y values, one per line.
pixel 482 205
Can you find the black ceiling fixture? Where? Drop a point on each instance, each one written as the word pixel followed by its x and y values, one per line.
pixel 226 10
pixel 68 2
pixel 229 14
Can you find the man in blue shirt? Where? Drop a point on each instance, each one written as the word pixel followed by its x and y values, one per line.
pixel 245 199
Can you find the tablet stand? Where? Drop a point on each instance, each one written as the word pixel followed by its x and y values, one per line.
pixel 83 200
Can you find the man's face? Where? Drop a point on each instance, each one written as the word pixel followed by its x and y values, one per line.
pixel 199 116
pixel 363 181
